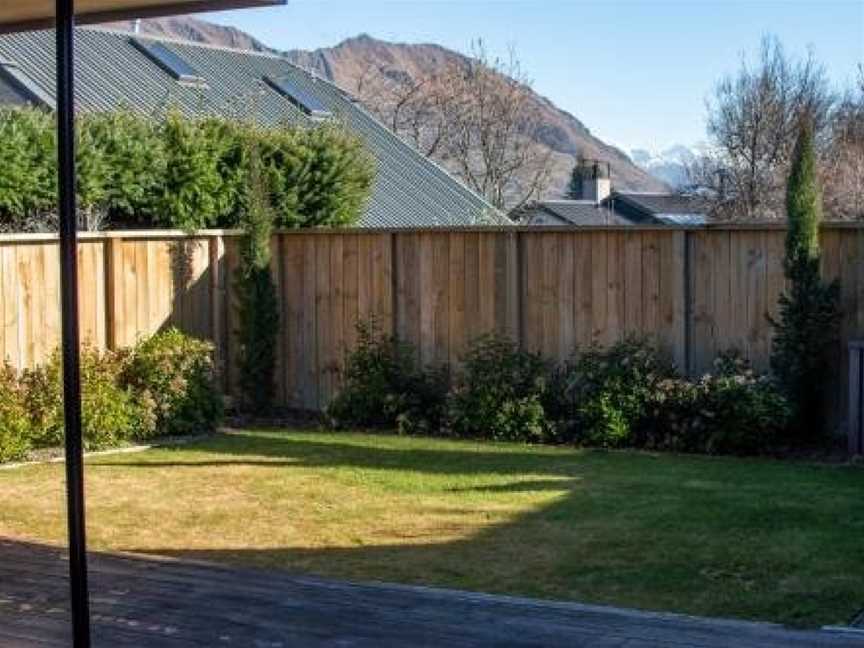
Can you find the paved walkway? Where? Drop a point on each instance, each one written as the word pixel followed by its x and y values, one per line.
pixel 146 602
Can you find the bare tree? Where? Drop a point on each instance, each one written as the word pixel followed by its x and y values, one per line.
pixel 752 119
pixel 476 115
pixel 407 105
pixel 842 162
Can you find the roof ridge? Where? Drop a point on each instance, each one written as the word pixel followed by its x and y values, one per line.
pixel 183 41
pixel 274 54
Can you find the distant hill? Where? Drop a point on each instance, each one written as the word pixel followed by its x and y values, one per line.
pixel 344 63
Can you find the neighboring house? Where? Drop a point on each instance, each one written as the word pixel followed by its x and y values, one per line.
pixel 122 70
pixel 600 205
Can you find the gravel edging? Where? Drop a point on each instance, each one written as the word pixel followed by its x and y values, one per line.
pixel 56 455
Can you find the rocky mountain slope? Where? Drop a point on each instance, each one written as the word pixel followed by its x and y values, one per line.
pixel 347 61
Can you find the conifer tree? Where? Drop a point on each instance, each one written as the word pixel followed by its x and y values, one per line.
pixel 258 309
pixel 806 331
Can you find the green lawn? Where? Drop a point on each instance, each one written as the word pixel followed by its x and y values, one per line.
pixel 721 537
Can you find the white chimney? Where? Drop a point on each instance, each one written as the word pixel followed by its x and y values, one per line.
pixel 136 26
pixel 596 181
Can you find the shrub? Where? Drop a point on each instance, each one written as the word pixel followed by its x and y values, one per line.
pixel 732 411
pixel 192 195
pixel 15 431
pixel 111 413
pixel 334 176
pixel 609 390
pixel 175 372
pixel 134 163
pixel 180 172
pixel 383 387
pixel 28 163
pixel 500 393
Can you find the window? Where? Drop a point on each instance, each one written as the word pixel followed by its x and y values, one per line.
pixel 305 101
pixel 170 61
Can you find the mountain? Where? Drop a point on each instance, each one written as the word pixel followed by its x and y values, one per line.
pixel 195 30
pixel 345 63
pixel 669 165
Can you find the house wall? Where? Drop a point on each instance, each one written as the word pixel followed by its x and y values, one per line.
pixel 694 291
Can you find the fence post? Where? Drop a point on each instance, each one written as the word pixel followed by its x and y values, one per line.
pixel 113 285
pixel 856 397
pixel 688 303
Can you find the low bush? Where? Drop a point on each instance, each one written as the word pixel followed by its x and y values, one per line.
pixel 15 431
pixel 111 413
pixel 175 373
pixel 500 393
pixel 607 392
pixel 164 385
pixel 384 387
pixel 732 411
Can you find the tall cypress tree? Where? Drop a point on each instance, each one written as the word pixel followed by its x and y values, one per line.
pixel 258 309
pixel 807 329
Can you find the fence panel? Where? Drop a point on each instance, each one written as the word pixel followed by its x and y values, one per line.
pixel 696 292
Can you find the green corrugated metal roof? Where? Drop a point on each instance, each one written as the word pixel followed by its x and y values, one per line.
pixel 410 190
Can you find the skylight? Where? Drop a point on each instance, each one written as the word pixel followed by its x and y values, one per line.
pixel 305 101
pixel 17 81
pixel 170 61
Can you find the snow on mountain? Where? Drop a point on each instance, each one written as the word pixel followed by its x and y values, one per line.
pixel 669 165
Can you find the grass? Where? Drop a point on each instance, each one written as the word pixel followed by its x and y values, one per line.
pixel 722 537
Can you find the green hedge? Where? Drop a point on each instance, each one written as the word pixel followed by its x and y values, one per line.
pixel 625 395
pixel 164 385
pixel 142 171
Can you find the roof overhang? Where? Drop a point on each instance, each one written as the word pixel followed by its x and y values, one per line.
pixel 25 15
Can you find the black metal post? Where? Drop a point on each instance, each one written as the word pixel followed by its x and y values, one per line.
pixel 65 18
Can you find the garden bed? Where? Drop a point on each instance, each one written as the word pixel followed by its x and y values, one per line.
pixel 756 539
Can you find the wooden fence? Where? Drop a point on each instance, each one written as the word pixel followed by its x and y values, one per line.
pixel 695 291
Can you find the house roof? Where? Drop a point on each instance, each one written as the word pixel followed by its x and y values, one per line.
pixel 671 208
pixel 583 212
pixel 112 72
pixel 623 209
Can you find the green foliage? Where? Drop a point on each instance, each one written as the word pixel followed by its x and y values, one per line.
pixel 111 413
pixel 164 385
pixel 609 390
pixel 732 411
pixel 574 185
pixel 803 206
pixel 807 328
pixel 193 193
pixel 174 372
pixel 131 166
pixel 182 173
pixel 257 304
pixel 384 387
pixel 500 392
pixel 15 431
pixel 334 177
pixel 28 163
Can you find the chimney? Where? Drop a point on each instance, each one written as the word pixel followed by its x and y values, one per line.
pixel 136 26
pixel 596 180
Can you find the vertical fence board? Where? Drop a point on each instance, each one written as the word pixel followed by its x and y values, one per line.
pixel 696 292
pixel 457 280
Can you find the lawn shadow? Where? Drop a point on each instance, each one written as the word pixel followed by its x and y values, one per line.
pixel 642 539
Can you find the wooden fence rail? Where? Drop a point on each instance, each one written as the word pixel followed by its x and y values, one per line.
pixel 695 291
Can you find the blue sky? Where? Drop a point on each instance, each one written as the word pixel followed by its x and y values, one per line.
pixel 635 72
